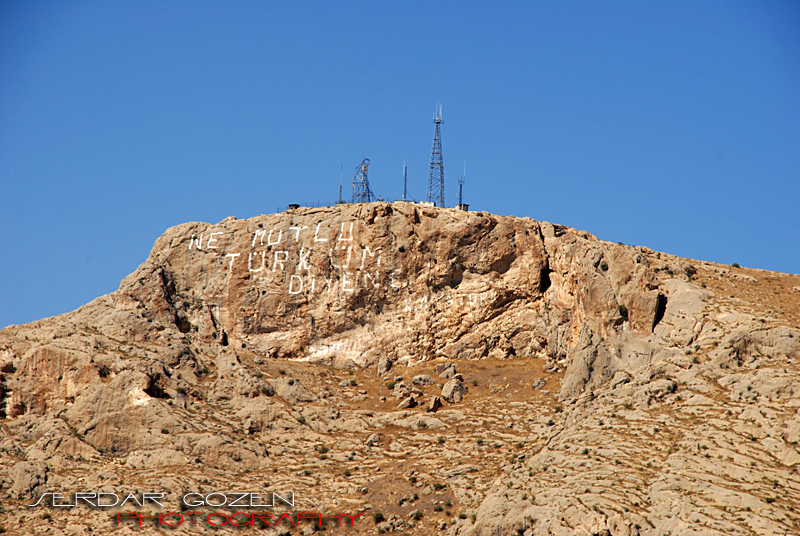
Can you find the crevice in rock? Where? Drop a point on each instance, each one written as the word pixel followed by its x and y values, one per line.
pixel 18 409
pixel 213 320
pixel 155 390
pixel 2 398
pixel 544 279
pixel 544 273
pixel 661 308
pixel 168 285
pixel 183 325
pixel 224 340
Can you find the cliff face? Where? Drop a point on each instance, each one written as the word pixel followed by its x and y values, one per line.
pixel 209 324
pixel 369 286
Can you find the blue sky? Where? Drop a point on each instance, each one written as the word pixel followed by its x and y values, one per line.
pixel 674 125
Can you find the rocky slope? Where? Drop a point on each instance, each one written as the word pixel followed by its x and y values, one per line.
pixel 440 371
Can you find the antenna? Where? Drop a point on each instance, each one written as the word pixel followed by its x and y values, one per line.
pixel 435 192
pixel 405 180
pixel 341 175
pixel 461 180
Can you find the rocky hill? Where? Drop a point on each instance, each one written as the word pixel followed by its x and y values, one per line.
pixel 437 371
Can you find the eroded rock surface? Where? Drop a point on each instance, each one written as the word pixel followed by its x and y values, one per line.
pixel 512 375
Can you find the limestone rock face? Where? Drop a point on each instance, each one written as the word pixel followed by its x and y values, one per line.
pixel 600 387
pixel 28 479
pixel 358 285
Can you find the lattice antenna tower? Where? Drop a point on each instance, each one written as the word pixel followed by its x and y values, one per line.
pixel 461 180
pixel 435 191
pixel 405 180
pixel 361 190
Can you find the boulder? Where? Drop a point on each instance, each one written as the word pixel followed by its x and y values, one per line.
pixel 423 380
pixel 454 391
pixel 448 372
pixel 406 403
pixel 402 390
pixel 434 404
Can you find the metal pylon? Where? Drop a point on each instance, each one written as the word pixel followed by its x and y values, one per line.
pixel 435 191
pixel 361 190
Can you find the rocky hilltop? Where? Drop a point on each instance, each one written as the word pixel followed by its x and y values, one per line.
pixel 438 371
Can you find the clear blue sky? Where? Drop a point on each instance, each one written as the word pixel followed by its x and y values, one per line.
pixel 674 125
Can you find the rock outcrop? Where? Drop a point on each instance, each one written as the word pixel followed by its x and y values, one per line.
pixel 597 386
